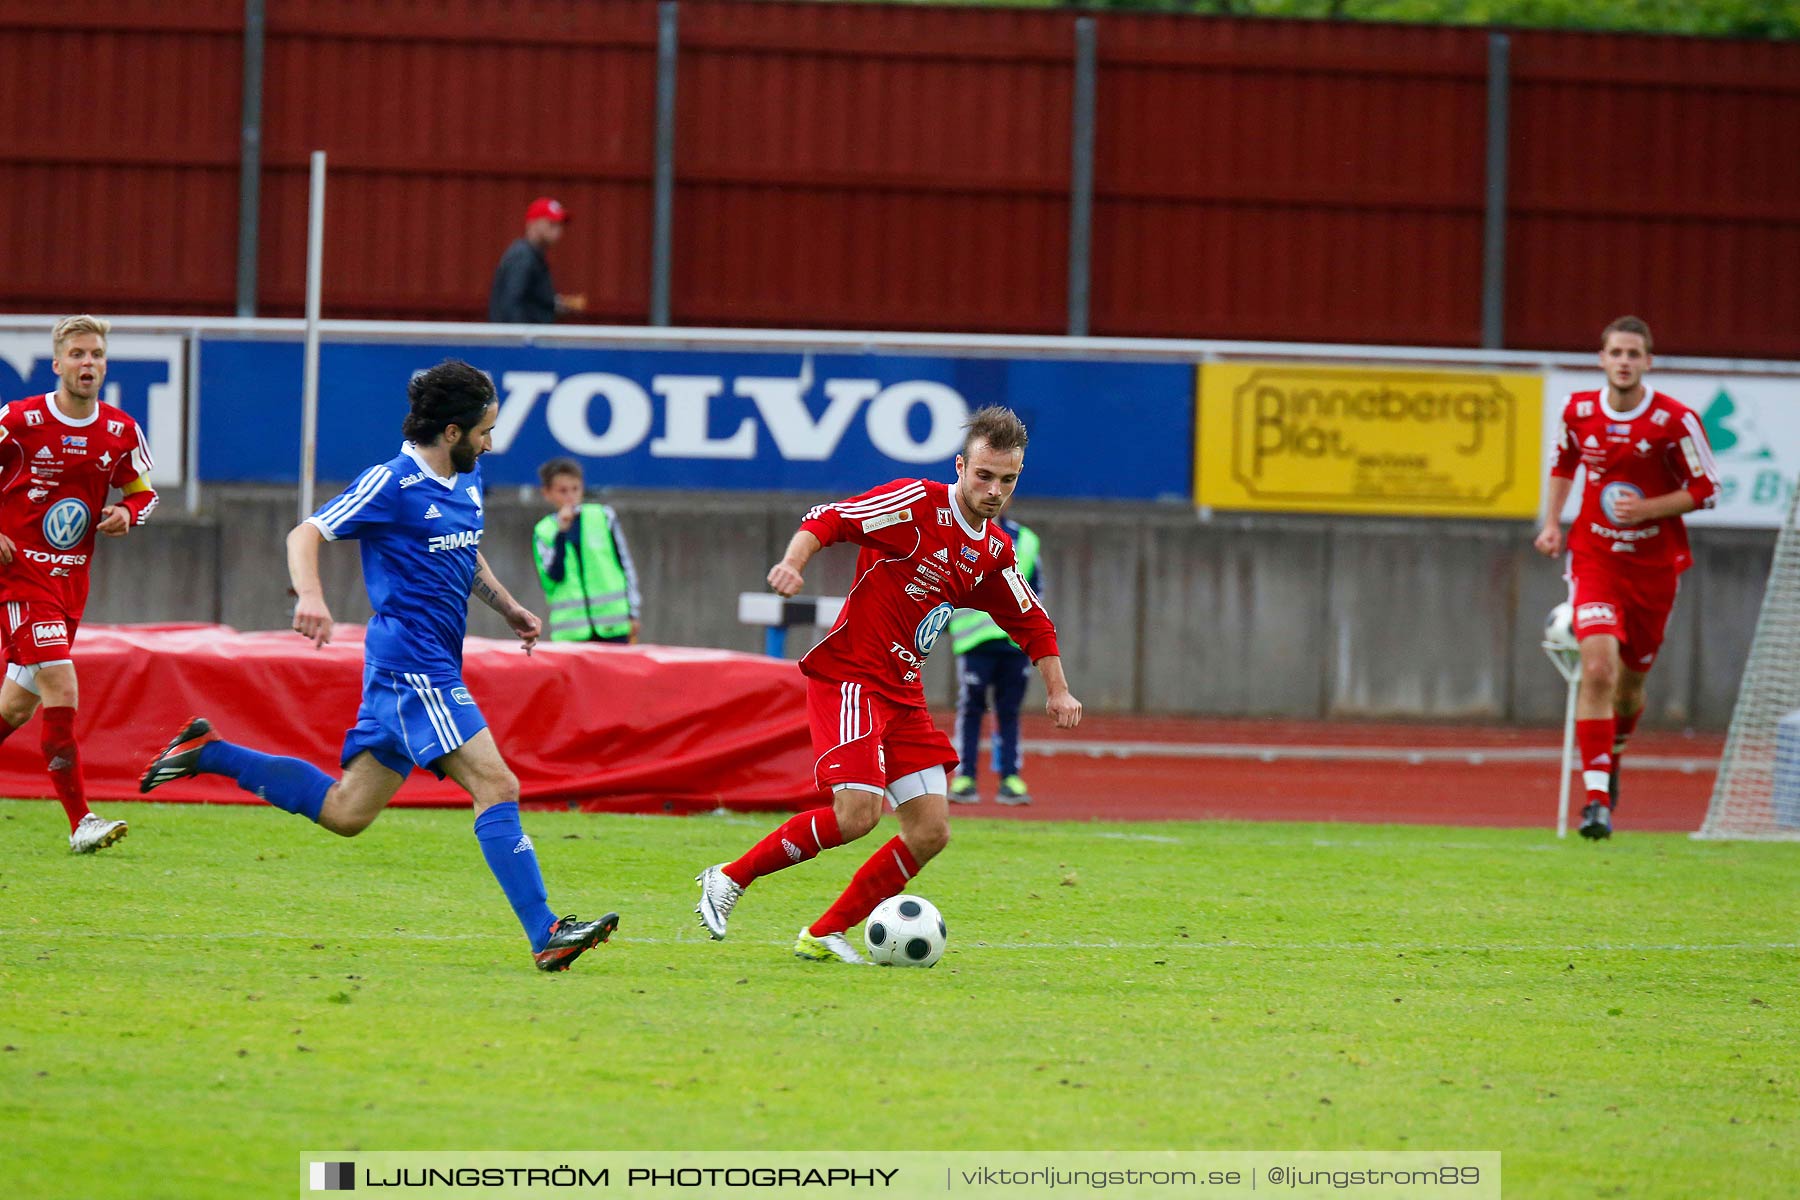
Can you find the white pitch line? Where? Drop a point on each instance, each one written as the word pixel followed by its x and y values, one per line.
pixel 1411 755
pixel 1138 837
pixel 1181 944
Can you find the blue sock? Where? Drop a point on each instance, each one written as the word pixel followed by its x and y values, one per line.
pixel 514 863
pixel 289 784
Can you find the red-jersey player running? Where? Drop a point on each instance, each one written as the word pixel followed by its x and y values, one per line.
pixel 927 550
pixel 1647 463
pixel 60 456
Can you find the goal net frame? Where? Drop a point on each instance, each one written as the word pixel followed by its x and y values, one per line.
pixel 1744 801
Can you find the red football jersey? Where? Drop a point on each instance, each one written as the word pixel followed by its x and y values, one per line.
pixel 919 563
pixel 55 475
pixel 1652 450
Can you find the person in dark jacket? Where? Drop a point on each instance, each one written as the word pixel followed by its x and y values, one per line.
pixel 522 292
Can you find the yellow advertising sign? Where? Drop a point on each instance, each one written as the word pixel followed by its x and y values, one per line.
pixel 1297 437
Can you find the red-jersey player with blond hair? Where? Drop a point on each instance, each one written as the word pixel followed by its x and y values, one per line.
pixel 927 549
pixel 61 455
pixel 1647 463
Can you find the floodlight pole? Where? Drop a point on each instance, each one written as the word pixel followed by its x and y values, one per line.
pixel 309 379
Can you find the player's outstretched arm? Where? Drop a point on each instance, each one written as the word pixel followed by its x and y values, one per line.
pixel 488 589
pixel 1062 706
pixel 312 619
pixel 786 576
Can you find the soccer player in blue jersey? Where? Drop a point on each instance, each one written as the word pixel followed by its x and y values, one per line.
pixel 419 519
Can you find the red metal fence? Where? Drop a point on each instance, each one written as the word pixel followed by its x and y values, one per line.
pixel 862 166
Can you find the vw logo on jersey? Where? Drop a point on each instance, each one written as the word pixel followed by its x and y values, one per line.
pixel 1609 498
pixel 926 636
pixel 66 523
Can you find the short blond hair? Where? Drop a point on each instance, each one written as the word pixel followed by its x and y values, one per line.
pixel 70 327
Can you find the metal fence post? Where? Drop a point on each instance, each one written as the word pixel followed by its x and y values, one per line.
pixel 250 158
pixel 1493 241
pixel 662 234
pixel 1081 179
pixel 309 363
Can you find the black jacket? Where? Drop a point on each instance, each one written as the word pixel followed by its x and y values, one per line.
pixel 522 293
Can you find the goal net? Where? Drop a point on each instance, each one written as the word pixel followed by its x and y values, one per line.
pixel 1757 793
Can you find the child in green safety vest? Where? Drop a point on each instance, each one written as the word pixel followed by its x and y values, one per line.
pixel 989 661
pixel 583 562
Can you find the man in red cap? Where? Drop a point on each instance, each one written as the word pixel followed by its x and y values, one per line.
pixel 523 293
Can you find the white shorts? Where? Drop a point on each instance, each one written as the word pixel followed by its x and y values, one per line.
pixel 932 781
pixel 25 674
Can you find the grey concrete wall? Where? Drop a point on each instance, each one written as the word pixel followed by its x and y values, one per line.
pixel 1158 610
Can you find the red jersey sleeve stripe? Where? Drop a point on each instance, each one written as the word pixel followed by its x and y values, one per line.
pixel 881 504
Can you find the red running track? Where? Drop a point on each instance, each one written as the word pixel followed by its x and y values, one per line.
pixel 1300 780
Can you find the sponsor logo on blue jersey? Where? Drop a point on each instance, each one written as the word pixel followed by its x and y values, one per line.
pixel 453 541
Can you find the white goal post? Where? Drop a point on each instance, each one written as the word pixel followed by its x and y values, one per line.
pixel 1757 792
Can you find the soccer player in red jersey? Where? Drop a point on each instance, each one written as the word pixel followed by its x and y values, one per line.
pixel 61 454
pixel 1647 463
pixel 927 549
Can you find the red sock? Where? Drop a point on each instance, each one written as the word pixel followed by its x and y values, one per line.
pixel 885 874
pixel 794 841
pixel 1624 725
pixel 63 761
pixel 1594 738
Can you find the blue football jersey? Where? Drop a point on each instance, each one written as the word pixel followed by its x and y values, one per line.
pixel 420 533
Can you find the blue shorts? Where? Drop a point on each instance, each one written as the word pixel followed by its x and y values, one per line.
pixel 410 718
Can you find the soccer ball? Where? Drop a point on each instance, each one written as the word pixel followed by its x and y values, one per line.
pixel 1559 629
pixel 905 931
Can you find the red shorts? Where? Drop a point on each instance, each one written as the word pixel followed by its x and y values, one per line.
pixel 36 631
pixel 864 740
pixel 1632 605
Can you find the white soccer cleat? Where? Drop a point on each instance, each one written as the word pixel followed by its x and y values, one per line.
pixel 718 896
pixel 825 949
pixel 95 832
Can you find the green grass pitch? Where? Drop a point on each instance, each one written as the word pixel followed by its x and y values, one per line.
pixel 184 1013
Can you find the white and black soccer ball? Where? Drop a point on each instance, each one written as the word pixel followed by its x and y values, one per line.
pixel 905 931
pixel 1559 628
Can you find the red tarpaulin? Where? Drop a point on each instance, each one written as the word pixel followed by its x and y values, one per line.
pixel 608 727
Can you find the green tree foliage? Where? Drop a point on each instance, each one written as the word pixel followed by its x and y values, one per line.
pixel 1718 18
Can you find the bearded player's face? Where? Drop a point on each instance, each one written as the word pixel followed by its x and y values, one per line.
pixel 81 365
pixel 475 442
pixel 986 477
